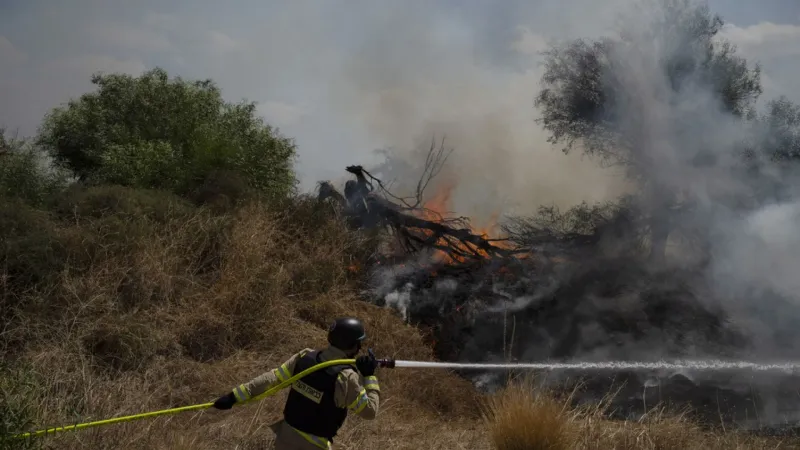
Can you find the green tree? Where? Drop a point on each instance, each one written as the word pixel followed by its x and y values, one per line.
pixel 607 95
pixel 25 172
pixel 156 132
pixel 782 131
pixel 773 154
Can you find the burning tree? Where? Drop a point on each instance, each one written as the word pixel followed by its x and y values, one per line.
pixel 368 204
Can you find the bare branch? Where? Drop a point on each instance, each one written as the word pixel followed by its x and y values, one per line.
pixel 435 160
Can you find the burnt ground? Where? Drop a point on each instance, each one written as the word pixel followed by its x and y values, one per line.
pixel 767 404
pixel 540 310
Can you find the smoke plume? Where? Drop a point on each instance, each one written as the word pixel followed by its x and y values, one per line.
pixel 417 77
pixel 730 290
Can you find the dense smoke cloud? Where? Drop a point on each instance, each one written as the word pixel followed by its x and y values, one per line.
pixel 418 76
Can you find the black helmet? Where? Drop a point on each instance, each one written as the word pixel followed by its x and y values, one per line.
pixel 346 333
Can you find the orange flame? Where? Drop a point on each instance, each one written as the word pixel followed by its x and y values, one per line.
pixel 439 206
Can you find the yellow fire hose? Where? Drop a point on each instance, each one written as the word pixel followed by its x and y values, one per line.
pixel 202 406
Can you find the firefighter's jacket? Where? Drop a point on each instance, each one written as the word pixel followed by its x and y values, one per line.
pixel 360 395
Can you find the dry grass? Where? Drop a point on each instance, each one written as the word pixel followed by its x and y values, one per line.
pixel 523 416
pixel 117 302
pixel 141 305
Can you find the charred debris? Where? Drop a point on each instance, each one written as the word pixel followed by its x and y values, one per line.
pixel 577 281
pixel 560 285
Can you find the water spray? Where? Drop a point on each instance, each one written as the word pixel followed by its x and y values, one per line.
pixel 696 365
pixel 706 365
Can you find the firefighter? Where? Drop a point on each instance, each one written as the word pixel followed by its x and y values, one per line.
pixel 319 402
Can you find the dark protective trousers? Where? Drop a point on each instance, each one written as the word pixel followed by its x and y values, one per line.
pixel 286 438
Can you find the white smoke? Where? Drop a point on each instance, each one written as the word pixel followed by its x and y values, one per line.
pixel 763 249
pixel 400 300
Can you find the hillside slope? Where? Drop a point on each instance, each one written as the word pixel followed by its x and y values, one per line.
pixel 126 301
pixel 118 301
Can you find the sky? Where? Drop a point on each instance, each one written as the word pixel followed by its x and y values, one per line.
pixel 344 78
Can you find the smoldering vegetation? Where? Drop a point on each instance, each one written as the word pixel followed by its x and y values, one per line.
pixel 697 260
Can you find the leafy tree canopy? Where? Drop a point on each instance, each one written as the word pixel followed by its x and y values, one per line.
pixel 155 132
pixel 661 98
pixel 24 172
pixel 600 94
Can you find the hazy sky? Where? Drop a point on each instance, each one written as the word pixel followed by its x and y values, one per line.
pixel 346 77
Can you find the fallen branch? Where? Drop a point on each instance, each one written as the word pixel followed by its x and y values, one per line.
pixel 451 236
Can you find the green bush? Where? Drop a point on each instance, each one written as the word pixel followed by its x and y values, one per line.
pixel 155 132
pixel 16 408
pixel 81 202
pixel 25 173
pixel 32 250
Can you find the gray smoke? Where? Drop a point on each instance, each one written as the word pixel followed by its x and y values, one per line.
pixel 420 74
pixel 679 145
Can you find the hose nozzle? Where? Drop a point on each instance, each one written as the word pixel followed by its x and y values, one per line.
pixel 386 362
pixel 383 362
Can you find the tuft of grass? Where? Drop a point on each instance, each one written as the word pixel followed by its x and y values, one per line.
pixel 520 417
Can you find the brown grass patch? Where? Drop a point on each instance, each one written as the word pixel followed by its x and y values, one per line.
pixel 156 305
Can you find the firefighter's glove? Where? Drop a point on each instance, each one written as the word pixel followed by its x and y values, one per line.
pixel 366 365
pixel 225 402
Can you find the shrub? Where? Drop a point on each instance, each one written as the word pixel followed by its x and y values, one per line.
pixel 127 203
pixel 155 132
pixel 16 408
pixel 25 173
pixel 32 251
pixel 522 418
